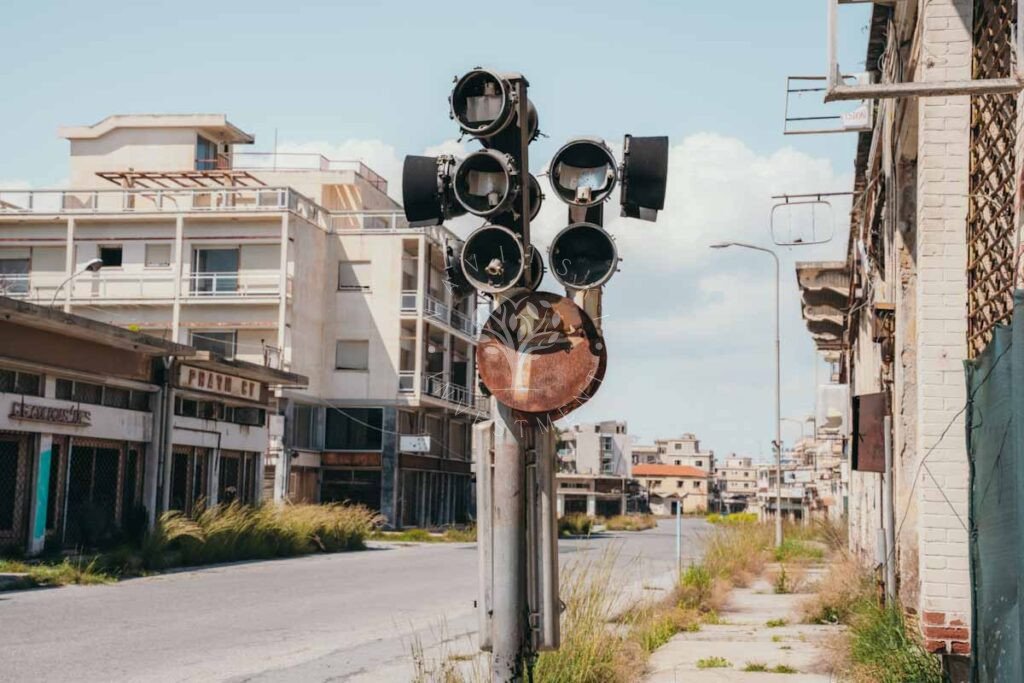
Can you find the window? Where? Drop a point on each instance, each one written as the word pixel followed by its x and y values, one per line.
pixel 679 446
pixel 14 276
pixel 696 484
pixel 206 154
pixel 679 462
pixel 215 271
pixel 100 395
pixel 700 463
pixel 679 484
pixel 111 255
pixel 219 342
pixel 26 383
pixel 353 276
pixel 304 428
pixel 353 429
pixel 352 355
pixel 158 255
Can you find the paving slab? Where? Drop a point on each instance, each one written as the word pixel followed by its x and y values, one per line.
pixel 745 638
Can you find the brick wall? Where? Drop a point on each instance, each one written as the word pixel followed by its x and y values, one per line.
pixel 943 129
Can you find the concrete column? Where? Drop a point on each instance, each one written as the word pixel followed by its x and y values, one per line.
pixel 40 481
pixel 282 310
pixel 591 505
pixel 389 470
pixel 69 262
pixel 560 505
pixel 178 268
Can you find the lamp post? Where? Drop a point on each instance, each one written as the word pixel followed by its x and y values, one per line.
pixel 778 386
pixel 91 267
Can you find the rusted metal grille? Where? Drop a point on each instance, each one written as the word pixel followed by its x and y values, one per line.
pixel 990 221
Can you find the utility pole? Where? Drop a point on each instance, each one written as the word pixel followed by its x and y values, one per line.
pixel 530 386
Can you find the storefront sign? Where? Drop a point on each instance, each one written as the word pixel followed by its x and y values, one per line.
pixel 414 444
pixel 63 416
pixel 218 383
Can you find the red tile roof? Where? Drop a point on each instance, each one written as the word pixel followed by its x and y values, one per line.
pixel 669 471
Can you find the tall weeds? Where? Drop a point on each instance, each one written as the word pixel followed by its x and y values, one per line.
pixel 241 532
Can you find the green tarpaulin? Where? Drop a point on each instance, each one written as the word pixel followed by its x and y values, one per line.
pixel 995 442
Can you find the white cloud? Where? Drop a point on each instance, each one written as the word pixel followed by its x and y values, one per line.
pixel 689 329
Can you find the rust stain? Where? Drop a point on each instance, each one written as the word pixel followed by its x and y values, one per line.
pixel 541 355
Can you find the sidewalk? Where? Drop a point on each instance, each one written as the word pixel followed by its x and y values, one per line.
pixel 744 638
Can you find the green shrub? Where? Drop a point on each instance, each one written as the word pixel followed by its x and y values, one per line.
pixel 883 649
pixel 733 518
pixel 798 549
pixel 713 663
pixel 695 587
pixel 776 623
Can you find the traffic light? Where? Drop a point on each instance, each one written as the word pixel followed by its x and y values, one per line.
pixel 644 175
pixel 486 182
pixel 583 172
pixel 493 259
pixel 583 256
pixel 427 190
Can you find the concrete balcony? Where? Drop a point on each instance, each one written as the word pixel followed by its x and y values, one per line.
pixel 157 287
pixel 438 387
pixel 437 311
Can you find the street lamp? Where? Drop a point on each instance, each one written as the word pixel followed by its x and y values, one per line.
pixel 778 386
pixel 91 267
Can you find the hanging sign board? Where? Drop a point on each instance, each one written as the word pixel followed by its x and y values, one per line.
pixel 414 444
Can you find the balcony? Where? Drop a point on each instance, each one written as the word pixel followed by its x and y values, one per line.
pixel 236 284
pixel 436 386
pixel 436 310
pixel 143 286
pixel 300 161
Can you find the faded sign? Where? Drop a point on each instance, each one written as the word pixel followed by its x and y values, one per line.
pixel 218 383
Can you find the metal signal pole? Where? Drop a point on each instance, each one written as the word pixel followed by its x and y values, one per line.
pixel 511 615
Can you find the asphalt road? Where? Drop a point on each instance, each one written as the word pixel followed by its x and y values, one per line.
pixel 344 617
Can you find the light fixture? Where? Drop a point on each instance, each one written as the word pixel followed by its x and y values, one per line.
pixel 426 190
pixel 644 176
pixel 482 102
pixel 486 182
pixel 583 172
pixel 583 256
pixel 92 265
pixel 492 258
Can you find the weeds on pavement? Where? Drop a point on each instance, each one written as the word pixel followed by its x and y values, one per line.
pixel 63 573
pixel 630 522
pixel 713 663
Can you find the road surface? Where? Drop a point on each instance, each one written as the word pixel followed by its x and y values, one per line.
pixel 342 617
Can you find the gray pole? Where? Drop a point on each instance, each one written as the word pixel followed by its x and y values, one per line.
pixel 508 525
pixel 778 408
pixel 778 384
pixel 889 521
pixel 679 536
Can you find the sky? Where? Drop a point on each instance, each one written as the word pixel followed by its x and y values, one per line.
pixel 689 329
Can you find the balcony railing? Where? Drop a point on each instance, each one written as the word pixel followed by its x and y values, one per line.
pixel 143 285
pixel 233 284
pixel 302 161
pixel 437 310
pixel 437 386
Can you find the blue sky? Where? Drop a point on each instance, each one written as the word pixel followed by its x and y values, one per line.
pixel 375 76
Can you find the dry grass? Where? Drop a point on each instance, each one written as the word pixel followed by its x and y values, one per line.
pixel 631 522
pixel 239 532
pixel 575 524
pixel 790 578
pixel 66 572
pixel 844 586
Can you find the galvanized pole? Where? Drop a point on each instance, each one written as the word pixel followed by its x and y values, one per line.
pixel 889 520
pixel 778 408
pixel 508 525
pixel 679 536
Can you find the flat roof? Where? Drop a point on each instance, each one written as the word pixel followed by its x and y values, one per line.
pixel 216 124
pixel 56 320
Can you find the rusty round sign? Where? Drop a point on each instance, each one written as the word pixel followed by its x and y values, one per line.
pixel 540 353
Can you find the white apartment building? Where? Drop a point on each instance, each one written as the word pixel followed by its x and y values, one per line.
pixel 644 454
pixel 736 482
pixel 685 450
pixel 596 448
pixel 297 262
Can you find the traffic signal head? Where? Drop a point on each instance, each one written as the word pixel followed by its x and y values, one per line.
pixel 492 259
pixel 482 102
pixel 508 219
pixel 536 271
pixel 583 172
pixel 426 190
pixel 486 182
pixel 583 256
pixel 644 174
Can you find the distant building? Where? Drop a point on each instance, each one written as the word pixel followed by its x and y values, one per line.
pixel 600 448
pixel 685 450
pixel 645 454
pixel 666 486
pixel 594 495
pixel 736 484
